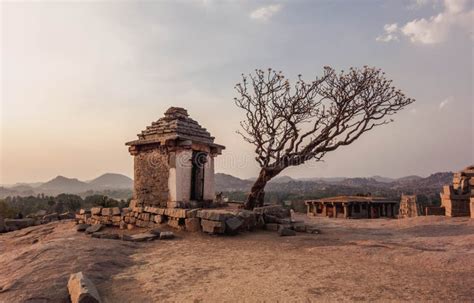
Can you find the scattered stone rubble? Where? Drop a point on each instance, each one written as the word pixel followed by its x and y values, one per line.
pixel 41 217
pixel 456 199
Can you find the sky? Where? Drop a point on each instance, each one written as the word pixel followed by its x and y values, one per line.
pixel 80 78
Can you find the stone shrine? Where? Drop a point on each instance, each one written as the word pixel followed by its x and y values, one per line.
pixel 174 163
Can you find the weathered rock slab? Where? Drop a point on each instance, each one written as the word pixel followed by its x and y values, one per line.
pixel 94 228
pixel 82 290
pixel 142 237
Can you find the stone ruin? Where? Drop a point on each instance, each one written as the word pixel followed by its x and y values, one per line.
pixel 41 217
pixel 457 199
pixel 409 207
pixel 174 185
pixel 174 163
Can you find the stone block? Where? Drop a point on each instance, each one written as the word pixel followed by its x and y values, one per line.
pixel 233 225
pixel 175 223
pixel 212 227
pixel 116 219
pixel 107 212
pixel 130 226
pixel 176 212
pixel 82 290
pixel 115 211
pixel 84 211
pixel 125 211
pixel 159 219
pixel 192 224
pixel 214 215
pixel 96 210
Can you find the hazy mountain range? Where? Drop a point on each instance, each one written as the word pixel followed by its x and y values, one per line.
pixel 407 184
pixel 105 183
pixel 121 186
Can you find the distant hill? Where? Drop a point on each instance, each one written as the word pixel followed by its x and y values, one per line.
pixel 382 179
pixel 110 180
pixel 111 184
pixel 62 184
pixel 225 182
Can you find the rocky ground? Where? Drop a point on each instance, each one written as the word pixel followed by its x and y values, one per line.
pixel 418 259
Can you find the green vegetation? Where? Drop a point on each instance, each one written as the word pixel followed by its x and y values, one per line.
pixel 11 207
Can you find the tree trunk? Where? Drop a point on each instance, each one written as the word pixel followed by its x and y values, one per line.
pixel 257 193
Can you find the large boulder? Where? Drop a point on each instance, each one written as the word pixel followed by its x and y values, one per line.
pixel 82 290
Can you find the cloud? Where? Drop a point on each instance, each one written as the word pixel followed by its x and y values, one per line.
pixel 264 13
pixel 445 102
pixel 435 29
pixel 390 33
pixel 416 4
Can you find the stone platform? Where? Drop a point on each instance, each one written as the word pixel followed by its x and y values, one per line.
pixel 213 221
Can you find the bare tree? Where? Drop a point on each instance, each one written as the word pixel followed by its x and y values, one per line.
pixel 291 125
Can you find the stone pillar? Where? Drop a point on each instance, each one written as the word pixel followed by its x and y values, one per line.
pixel 346 210
pixel 179 182
pixel 209 183
pixel 325 210
pixel 334 209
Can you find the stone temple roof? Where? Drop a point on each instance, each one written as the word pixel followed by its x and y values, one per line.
pixel 176 124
